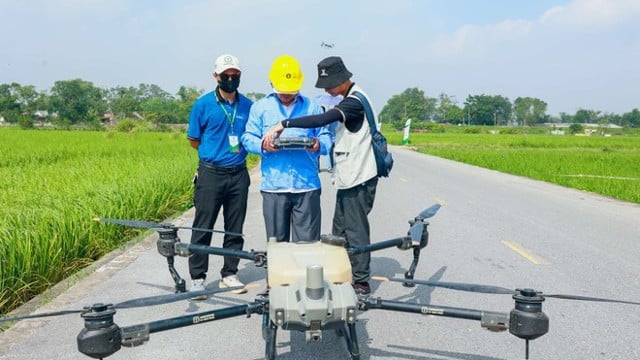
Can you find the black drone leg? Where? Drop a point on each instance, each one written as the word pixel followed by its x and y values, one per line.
pixel 180 283
pixel 412 268
pixel 269 334
pixel 351 338
pixel 526 348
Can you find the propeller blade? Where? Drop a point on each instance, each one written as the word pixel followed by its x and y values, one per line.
pixel 138 224
pixel 416 232
pixel 484 289
pixel 588 298
pixel 33 316
pixel 427 213
pixel 169 298
pixel 152 225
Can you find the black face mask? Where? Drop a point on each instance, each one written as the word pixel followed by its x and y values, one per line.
pixel 229 86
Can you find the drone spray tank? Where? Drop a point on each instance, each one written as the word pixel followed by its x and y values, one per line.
pixel 310 287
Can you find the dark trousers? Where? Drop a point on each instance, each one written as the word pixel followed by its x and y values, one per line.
pixel 218 187
pixel 292 216
pixel 350 221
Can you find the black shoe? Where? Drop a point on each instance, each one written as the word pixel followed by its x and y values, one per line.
pixel 362 288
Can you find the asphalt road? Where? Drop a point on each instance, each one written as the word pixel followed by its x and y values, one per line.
pixel 493 229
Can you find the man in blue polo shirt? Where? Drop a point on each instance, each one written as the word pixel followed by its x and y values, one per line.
pixel 217 121
pixel 290 185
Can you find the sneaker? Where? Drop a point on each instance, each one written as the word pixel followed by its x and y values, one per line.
pixel 232 281
pixel 362 288
pixel 198 285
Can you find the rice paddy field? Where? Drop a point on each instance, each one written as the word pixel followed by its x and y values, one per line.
pixel 607 166
pixel 53 183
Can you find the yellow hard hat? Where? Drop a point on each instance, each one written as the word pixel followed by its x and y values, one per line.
pixel 285 75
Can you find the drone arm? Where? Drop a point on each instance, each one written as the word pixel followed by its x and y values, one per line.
pixel 401 242
pixel 493 321
pixel 183 249
pixel 138 334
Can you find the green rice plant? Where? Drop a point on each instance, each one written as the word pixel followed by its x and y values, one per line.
pixel 603 165
pixel 53 183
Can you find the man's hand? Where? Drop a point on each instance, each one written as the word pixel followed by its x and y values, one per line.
pixel 267 145
pixel 273 133
pixel 315 147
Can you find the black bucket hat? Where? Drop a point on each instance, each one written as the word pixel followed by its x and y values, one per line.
pixel 332 72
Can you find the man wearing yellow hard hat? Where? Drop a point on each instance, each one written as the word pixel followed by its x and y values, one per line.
pixel 290 185
pixel 355 173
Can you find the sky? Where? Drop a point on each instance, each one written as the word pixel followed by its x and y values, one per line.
pixel 572 54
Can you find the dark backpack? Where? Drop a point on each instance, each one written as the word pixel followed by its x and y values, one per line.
pixel 384 159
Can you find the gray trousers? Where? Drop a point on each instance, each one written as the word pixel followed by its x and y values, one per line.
pixel 350 221
pixel 292 216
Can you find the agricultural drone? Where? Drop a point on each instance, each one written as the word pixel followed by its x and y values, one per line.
pixel 310 291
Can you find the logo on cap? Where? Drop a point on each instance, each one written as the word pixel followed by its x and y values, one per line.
pixel 323 72
pixel 228 60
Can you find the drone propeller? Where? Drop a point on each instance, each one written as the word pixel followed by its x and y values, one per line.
pixel 489 289
pixel 129 304
pixel 417 227
pixel 484 289
pixel 152 225
pixel 429 212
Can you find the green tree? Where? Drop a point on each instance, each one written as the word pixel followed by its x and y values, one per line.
pixel 9 104
pixel 631 119
pixel 151 91
pixel 76 100
pixel 186 97
pixel 583 116
pixel 529 111
pixel 566 118
pixel 447 110
pixel 576 128
pixel 123 101
pixel 255 96
pixel 488 110
pixel 165 111
pixel 411 104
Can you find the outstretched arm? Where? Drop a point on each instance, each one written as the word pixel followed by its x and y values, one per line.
pixel 306 122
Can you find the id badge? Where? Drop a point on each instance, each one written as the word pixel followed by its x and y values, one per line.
pixel 234 144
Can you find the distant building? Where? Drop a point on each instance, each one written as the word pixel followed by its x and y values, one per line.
pixel 587 125
pixel 41 115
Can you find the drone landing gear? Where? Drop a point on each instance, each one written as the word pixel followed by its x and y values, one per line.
pixel 180 284
pixel 269 334
pixel 412 268
pixel 349 333
pixel 166 247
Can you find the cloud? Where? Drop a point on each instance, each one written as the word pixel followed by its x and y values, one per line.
pixel 592 13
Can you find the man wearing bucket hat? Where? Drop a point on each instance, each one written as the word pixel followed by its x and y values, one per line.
pixel 354 172
pixel 290 184
pixel 216 122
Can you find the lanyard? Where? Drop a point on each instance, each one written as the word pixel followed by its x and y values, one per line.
pixel 230 118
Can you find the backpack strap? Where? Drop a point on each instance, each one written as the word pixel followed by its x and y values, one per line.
pixel 367 110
